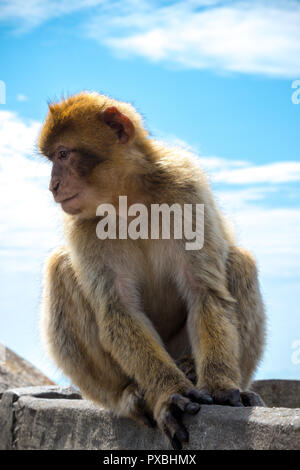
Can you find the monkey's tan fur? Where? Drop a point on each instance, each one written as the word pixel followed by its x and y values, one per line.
pixel 118 314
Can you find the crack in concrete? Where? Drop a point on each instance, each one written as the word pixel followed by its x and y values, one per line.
pixel 17 413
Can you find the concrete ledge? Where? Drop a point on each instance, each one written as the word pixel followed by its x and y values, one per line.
pixel 56 418
pixel 279 393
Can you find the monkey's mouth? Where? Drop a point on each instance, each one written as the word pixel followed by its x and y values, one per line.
pixel 68 199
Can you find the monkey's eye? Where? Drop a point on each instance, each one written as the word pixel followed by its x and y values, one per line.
pixel 63 154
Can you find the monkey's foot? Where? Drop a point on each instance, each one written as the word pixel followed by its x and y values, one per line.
pixel 233 397
pixel 170 417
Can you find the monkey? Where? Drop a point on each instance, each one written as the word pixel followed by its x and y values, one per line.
pixel 143 327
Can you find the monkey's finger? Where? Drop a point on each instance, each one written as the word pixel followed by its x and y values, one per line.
pixel 176 427
pixel 175 430
pixel 177 441
pixel 200 396
pixel 230 397
pixel 176 444
pixel 184 404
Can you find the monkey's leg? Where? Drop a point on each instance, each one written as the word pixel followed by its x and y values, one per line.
pixel 227 337
pixel 71 335
pixel 244 287
pixel 215 345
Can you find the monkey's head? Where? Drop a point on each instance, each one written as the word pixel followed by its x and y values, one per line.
pixel 87 137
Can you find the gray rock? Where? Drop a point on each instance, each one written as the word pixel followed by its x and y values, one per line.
pixel 279 393
pixel 53 392
pixel 56 418
pixel 17 372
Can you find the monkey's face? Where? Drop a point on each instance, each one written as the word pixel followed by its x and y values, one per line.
pixel 84 141
pixel 69 181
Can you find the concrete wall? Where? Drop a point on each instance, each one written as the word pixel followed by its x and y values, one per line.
pixel 57 418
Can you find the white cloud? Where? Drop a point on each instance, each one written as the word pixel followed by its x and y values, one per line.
pixel 257 37
pixel 279 172
pixel 240 172
pixel 242 36
pixel 34 12
pixel 17 136
pixel 28 226
pixel 272 234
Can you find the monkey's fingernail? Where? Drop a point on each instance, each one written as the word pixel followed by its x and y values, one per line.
pixel 176 444
pixel 193 408
pixel 206 400
pixel 200 397
pixel 182 435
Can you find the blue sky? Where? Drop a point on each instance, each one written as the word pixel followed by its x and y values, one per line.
pixel 212 76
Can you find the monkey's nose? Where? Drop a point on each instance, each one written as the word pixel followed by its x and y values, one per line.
pixel 54 185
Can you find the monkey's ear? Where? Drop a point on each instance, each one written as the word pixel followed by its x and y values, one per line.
pixel 120 123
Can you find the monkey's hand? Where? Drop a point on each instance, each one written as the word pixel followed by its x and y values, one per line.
pixel 171 412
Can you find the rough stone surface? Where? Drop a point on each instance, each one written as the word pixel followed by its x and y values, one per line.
pixel 16 372
pixel 56 418
pixel 279 392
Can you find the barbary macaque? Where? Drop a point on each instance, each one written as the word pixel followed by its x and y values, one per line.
pixel 143 326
